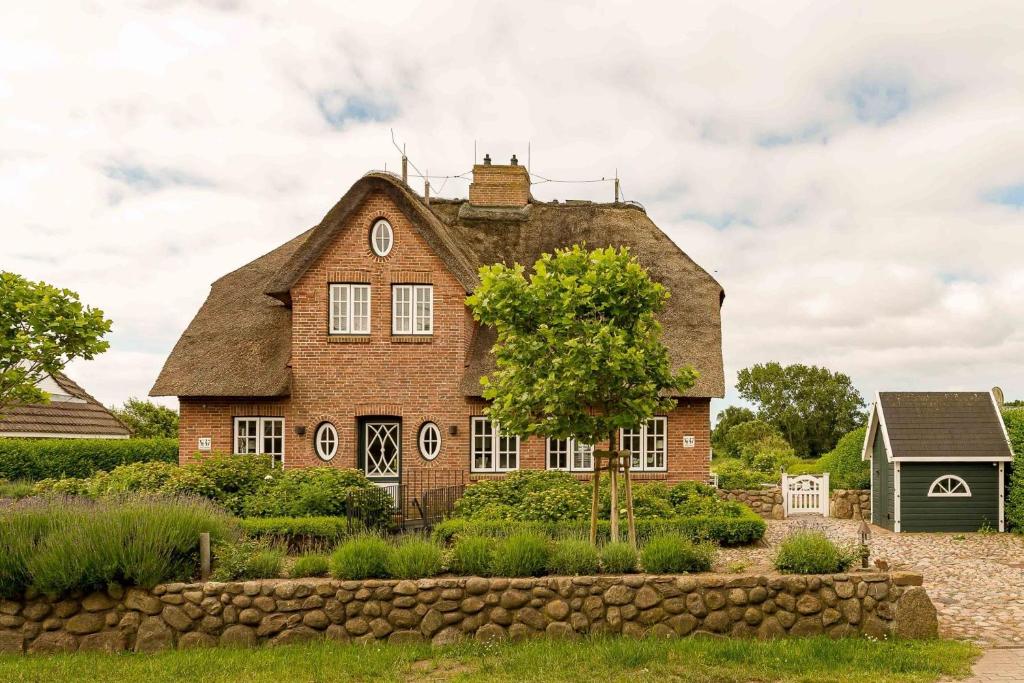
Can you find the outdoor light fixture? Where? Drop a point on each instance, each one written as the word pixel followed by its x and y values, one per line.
pixel 453 430
pixel 865 534
pixel 300 429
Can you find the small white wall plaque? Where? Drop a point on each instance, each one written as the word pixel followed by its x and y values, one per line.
pixel 205 443
pixel 689 441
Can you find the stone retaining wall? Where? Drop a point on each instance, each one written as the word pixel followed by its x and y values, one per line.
pixel 766 502
pixel 446 610
pixel 850 504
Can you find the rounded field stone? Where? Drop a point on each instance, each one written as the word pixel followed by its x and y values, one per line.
pixel 85 623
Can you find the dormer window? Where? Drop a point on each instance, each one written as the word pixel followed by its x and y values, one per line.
pixel 382 237
pixel 349 309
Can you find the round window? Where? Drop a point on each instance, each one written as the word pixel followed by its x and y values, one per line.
pixel 382 237
pixel 326 441
pixel 430 440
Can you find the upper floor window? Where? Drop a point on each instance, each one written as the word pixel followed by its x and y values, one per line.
pixel 382 237
pixel 350 309
pixel 260 435
pixel 648 445
pixel 493 451
pixel 570 455
pixel 412 309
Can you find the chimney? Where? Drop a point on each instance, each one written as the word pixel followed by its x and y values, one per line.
pixel 496 185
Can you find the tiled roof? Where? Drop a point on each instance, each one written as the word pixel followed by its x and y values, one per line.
pixel 81 416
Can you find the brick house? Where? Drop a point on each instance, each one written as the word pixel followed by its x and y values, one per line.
pixel 351 345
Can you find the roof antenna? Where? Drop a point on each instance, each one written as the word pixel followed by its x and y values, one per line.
pixel 616 186
pixel 426 187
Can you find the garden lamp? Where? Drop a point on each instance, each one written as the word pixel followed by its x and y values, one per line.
pixel 865 534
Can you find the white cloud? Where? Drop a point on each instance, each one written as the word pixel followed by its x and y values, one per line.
pixel 833 164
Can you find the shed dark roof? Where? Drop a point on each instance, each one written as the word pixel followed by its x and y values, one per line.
pixel 239 342
pixel 84 416
pixel 960 425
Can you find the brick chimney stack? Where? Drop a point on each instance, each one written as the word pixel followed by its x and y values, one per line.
pixel 496 185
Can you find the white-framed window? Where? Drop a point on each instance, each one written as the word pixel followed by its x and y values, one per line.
pixel 325 441
pixel 648 445
pixel 570 455
pixel 492 451
pixel 949 486
pixel 382 237
pixel 429 440
pixel 349 309
pixel 412 309
pixel 260 435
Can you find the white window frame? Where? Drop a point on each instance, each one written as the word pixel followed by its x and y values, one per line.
pixel 406 318
pixel 499 446
pixel 325 428
pixel 639 445
pixel 569 449
pixel 256 437
pixel 380 227
pixel 934 492
pixel 426 452
pixel 348 322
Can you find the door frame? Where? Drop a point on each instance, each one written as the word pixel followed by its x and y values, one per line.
pixel 362 424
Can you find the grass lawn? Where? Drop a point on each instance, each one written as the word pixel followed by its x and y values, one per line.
pixel 618 659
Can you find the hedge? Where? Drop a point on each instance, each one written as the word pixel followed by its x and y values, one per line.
pixel 1014 419
pixel 35 459
pixel 727 531
pixel 300 534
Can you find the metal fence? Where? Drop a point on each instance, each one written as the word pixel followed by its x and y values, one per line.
pixel 421 499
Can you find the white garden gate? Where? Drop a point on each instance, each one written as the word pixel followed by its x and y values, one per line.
pixel 806 494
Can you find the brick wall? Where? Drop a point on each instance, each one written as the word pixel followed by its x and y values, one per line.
pixel 413 378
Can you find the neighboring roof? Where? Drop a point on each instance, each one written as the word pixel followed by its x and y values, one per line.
pixel 939 426
pixel 214 359
pixel 71 412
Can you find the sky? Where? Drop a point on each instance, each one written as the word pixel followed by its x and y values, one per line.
pixel 851 173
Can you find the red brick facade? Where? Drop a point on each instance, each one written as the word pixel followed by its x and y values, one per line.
pixel 340 379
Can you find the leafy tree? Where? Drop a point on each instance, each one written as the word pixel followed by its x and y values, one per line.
pixel 578 345
pixel 147 420
pixel 844 465
pixel 727 419
pixel 745 434
pixel 770 454
pixel 42 329
pixel 812 406
pixel 1014 419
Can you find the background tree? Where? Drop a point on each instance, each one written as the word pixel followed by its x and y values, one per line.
pixel 42 329
pixel 578 345
pixel 147 420
pixel 745 434
pixel 1014 419
pixel 727 419
pixel 812 406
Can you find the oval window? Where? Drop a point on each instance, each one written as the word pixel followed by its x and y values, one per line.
pixel 382 237
pixel 430 440
pixel 326 441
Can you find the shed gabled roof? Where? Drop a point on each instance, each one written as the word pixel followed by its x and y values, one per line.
pixel 72 413
pixel 239 343
pixel 939 426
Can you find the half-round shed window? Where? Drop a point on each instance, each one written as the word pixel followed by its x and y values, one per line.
pixel 949 486
pixel 430 440
pixel 382 237
pixel 325 441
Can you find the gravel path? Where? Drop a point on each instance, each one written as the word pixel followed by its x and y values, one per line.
pixel 975 580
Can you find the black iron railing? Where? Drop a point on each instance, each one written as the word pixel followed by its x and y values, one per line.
pixel 421 499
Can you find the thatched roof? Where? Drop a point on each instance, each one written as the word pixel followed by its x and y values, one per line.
pixel 214 359
pixel 71 412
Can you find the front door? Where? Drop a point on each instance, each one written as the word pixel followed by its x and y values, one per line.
pixel 381 449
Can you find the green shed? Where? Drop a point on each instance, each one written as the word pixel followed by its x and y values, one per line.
pixel 938 461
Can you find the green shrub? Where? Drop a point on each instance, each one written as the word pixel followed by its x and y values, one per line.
pixel 526 495
pixel 471 556
pixel 298 534
pixel 135 477
pixel 520 555
pixel 227 479
pixel 844 465
pixel 362 557
pixel 310 565
pixel 769 455
pixel 35 459
pixel 618 558
pixel 266 564
pixel 314 491
pixel 57 544
pixel 811 552
pixel 573 557
pixel 1014 419
pixel 649 500
pixel 744 434
pixel 246 558
pixel 414 558
pixel 16 489
pixel 676 554
pixel 732 475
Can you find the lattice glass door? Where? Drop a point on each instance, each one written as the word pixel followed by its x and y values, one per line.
pixel 382 449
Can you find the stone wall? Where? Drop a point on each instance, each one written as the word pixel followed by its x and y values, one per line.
pixel 850 504
pixel 446 610
pixel 766 502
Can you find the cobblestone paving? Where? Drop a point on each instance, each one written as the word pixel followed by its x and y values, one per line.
pixel 999 666
pixel 975 580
